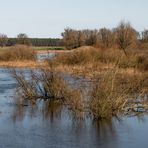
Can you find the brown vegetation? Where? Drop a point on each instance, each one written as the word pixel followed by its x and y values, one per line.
pixel 89 55
pixel 123 36
pixel 16 53
pixel 3 40
pixel 48 86
pixel 110 93
pixel 117 77
pixel 105 99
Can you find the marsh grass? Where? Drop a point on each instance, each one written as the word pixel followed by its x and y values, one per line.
pixel 113 92
pixel 85 55
pixel 110 91
pixel 51 88
pixel 105 100
pixel 16 53
pixel 108 94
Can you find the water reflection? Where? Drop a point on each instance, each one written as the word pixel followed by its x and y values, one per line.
pixel 55 115
pixel 50 125
pixel 48 110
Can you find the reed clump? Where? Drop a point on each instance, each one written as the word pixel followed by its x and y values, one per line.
pixel 47 86
pixel 113 92
pixel 105 99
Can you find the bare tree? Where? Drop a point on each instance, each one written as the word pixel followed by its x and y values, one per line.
pixel 81 38
pixel 125 36
pixel 3 40
pixel 144 35
pixel 77 38
pixel 69 38
pixel 105 38
pixel 23 39
pixel 91 37
pixel 73 38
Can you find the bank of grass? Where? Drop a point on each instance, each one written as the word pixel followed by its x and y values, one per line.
pixel 137 59
pixel 17 53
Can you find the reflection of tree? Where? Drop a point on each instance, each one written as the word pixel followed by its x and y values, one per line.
pixel 106 129
pixel 51 109
pixel 48 110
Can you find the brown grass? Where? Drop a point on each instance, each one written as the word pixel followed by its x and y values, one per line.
pixel 105 100
pixel 50 87
pixel 113 84
pixel 89 56
pixel 112 91
pixel 17 53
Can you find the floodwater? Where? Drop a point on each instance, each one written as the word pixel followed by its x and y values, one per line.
pixel 44 56
pixel 24 129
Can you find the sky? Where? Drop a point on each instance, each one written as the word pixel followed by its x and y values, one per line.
pixel 48 18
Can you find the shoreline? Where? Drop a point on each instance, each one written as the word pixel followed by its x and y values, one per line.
pixel 77 70
pixel 52 51
pixel 22 64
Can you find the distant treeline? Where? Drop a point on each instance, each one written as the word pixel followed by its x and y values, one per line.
pixel 24 39
pixel 36 42
pixel 122 36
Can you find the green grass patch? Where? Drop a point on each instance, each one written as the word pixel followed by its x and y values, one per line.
pixel 49 48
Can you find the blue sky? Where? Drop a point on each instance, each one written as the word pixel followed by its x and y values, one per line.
pixel 48 18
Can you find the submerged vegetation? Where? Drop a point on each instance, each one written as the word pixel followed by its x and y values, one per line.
pixel 48 86
pixel 108 94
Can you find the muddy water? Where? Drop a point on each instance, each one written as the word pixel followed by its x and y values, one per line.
pixel 26 130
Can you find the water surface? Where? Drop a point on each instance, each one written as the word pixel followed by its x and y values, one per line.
pixel 28 129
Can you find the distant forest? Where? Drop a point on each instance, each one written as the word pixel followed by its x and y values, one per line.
pixel 37 41
pixel 24 39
